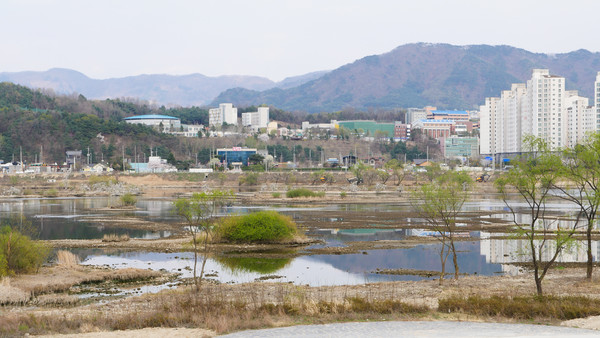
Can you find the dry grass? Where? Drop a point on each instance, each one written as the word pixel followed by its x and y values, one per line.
pixel 61 278
pixel 215 308
pixel 524 307
pixel 66 259
pixel 10 294
pixel 115 238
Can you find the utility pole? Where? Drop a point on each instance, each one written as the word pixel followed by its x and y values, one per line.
pixel 123 167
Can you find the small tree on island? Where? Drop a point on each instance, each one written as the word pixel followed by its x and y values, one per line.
pixel 533 178
pixel 440 203
pixel 199 212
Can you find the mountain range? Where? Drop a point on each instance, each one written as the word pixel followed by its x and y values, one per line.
pixel 171 90
pixel 412 75
pixel 415 75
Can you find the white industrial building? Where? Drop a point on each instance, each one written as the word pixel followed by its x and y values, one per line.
pixel 224 114
pixel 256 120
pixel 167 123
pixel 307 125
pixel 542 108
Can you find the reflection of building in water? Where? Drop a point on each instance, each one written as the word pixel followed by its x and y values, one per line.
pixel 506 251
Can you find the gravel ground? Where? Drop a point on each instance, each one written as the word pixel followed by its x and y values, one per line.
pixel 419 329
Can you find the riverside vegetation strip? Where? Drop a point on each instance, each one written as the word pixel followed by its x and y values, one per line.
pixel 274 304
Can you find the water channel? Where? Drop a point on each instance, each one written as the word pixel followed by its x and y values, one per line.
pixel 479 252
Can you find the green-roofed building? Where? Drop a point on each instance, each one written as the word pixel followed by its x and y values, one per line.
pixel 369 127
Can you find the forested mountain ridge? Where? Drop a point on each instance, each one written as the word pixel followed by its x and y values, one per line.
pixel 31 120
pixel 415 75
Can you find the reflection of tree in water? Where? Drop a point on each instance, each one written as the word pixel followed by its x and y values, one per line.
pixel 253 264
pixel 66 228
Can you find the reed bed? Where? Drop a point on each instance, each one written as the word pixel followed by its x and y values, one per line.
pixel 115 238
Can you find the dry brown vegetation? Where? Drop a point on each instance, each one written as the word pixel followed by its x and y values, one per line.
pixel 66 259
pixel 227 308
pixel 28 288
pixel 115 238
pixel 218 308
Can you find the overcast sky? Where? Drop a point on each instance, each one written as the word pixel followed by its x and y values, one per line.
pixel 270 38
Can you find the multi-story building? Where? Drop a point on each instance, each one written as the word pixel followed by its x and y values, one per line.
pixel 435 128
pixel 415 114
pixel 581 118
pixel 307 125
pixel 163 123
pixel 256 120
pixel 597 100
pixel 547 107
pixel 224 114
pixel 401 131
pixel 460 147
pixel 453 115
pixel 487 125
pixel 542 108
pixel 235 154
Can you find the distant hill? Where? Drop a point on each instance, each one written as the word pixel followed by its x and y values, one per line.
pixel 415 75
pixel 184 90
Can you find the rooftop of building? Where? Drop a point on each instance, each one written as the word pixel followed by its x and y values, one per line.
pixel 435 121
pixel 448 112
pixel 151 117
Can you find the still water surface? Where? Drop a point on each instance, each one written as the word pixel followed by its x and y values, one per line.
pixel 76 218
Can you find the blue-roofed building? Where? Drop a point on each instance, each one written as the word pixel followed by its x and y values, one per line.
pixel 169 123
pixel 453 115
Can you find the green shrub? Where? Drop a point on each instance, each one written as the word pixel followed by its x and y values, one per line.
pixel 343 194
pixel 303 192
pixel 108 180
pixel 276 194
pixel 19 254
pixel 263 226
pixel 128 200
pixel 51 193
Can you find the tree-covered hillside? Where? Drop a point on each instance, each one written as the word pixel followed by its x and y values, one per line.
pixel 39 124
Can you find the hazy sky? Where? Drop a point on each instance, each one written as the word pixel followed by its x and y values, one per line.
pixel 271 38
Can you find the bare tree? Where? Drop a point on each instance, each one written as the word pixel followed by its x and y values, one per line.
pixel 440 203
pixel 582 186
pixel 199 212
pixel 533 178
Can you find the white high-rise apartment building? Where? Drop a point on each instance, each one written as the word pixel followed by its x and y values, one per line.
pixel 597 100
pixel 256 120
pixel 581 118
pixel 542 108
pixel 547 107
pixel 487 126
pixel 224 114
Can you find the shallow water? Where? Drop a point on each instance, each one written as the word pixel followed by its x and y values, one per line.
pixel 78 218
